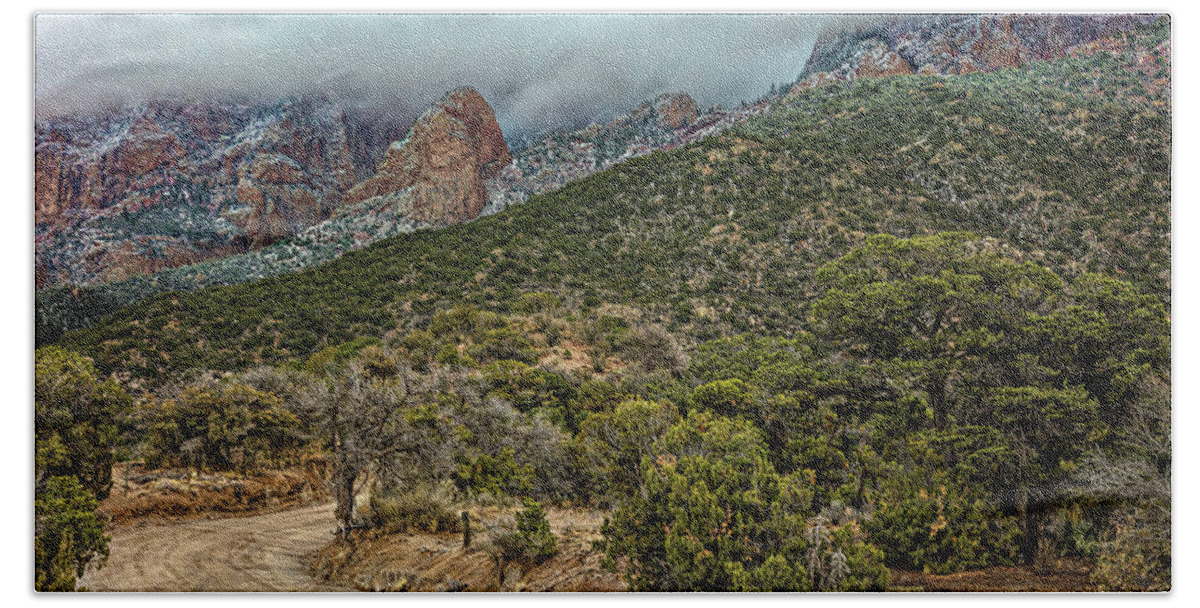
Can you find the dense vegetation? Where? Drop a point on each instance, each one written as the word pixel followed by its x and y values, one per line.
pixel 777 356
pixel 1068 161
pixel 952 407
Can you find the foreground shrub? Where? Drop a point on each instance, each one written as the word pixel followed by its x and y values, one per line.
pixel 1136 555
pixel 421 510
pixel 77 419
pixel 714 515
pixel 68 534
pixel 943 530
pixel 532 543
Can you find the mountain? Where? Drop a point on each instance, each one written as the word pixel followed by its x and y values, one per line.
pixel 668 121
pixel 440 154
pixel 891 45
pixel 1065 163
pixel 163 185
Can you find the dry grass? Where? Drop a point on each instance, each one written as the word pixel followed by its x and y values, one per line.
pixel 178 494
pixel 438 562
pixel 1064 575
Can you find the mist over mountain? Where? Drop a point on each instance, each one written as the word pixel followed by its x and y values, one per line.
pixel 540 72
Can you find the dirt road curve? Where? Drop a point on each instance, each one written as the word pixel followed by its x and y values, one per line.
pixel 267 552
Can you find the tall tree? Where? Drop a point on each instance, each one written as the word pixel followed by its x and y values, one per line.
pixel 938 307
pixel 77 419
pixel 77 423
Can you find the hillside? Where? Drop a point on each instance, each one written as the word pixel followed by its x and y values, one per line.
pixel 1066 161
pixel 667 122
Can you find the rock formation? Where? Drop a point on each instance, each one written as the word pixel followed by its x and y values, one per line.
pixel 156 186
pixel 890 45
pixel 446 158
pixel 676 110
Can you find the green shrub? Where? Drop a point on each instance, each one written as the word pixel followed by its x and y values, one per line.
pixel 332 358
pixel 451 357
pixel 532 543
pixel 77 419
pixel 535 302
pixel 1136 554
pixel 725 398
pixel 226 427
pixel 714 515
pixel 504 343
pixel 942 530
pixel 497 475
pixel 69 534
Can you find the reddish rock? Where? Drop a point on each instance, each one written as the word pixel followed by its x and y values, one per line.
pixel 676 110
pixel 876 61
pixel 890 45
pixel 446 158
pixel 145 148
pixel 272 169
pixel 815 81
pixel 279 199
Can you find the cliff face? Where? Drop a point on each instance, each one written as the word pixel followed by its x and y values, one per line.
pixel 162 185
pixel 888 45
pixel 446 158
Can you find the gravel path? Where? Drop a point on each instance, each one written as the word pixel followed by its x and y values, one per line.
pixel 269 552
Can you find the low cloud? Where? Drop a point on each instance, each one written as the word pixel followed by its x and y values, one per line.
pixel 540 72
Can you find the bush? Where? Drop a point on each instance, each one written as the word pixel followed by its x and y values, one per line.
pixel 504 343
pixel 725 398
pixel 69 534
pixel 333 358
pixel 1136 555
pixel 535 302
pixel 496 475
pixel 423 510
pixel 943 530
pixel 654 348
pixel 716 516
pixel 77 419
pixel 226 427
pixel 533 542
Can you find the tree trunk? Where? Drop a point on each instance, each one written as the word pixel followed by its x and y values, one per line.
pixel 1031 532
pixel 466 523
pixel 345 505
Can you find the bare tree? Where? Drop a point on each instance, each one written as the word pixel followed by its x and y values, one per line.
pixel 362 418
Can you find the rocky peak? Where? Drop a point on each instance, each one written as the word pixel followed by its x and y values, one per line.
pixel 889 45
pixel 446 158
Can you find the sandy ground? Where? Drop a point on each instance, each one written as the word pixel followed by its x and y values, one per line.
pixel 269 552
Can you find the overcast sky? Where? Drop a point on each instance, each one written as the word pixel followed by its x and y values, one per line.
pixel 540 72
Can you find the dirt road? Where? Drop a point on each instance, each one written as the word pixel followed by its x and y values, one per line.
pixel 269 552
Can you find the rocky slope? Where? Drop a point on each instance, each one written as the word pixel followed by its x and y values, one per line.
pixel 432 177
pixel 394 209
pixel 890 45
pixel 1067 161
pixel 150 189
pixel 668 121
